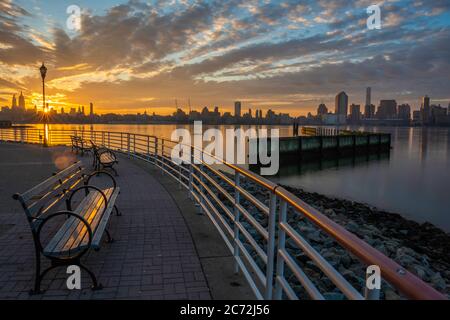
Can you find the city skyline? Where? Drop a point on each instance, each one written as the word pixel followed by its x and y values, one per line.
pixel 129 57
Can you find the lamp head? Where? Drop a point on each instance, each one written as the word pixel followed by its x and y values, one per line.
pixel 43 70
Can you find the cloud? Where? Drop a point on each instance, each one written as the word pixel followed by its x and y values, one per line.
pixel 287 53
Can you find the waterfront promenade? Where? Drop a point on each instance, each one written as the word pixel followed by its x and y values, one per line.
pixel 159 252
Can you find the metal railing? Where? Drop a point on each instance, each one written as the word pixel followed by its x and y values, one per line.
pixel 256 230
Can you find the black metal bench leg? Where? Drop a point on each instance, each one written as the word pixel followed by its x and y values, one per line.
pixel 108 235
pixel 95 284
pixel 37 279
pixel 118 213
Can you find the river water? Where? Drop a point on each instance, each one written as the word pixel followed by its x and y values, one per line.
pixel 413 180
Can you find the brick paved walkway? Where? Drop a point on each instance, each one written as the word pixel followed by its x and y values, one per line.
pixel 153 256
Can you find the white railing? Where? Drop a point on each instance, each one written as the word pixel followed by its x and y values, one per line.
pixel 255 230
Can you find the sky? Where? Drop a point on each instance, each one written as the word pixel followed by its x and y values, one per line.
pixel 290 56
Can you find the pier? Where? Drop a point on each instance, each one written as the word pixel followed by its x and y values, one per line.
pixel 160 250
pixel 188 231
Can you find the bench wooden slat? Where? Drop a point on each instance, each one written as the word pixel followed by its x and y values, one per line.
pixel 68 227
pixel 93 214
pixel 74 235
pixel 103 223
pixel 70 238
pixel 50 182
pixel 58 192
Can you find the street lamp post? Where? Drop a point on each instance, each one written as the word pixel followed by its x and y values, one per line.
pixel 43 70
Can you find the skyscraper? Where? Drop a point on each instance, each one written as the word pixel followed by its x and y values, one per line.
pixel 21 101
pixel 355 112
pixel 404 112
pixel 369 108
pixel 368 96
pixel 237 109
pixel 14 102
pixel 341 104
pixel 426 110
pixel 387 109
pixel 91 109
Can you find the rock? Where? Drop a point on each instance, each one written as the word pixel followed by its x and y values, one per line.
pixel 352 227
pixel 438 282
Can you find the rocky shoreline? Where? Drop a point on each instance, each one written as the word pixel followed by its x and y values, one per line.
pixel 422 249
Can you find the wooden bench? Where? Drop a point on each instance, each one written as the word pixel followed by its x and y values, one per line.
pixel 104 158
pixel 81 145
pixel 84 225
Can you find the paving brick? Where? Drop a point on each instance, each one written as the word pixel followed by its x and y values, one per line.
pixel 152 257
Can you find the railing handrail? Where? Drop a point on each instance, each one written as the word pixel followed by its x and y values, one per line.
pixel 407 283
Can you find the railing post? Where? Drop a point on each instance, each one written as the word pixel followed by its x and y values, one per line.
pixel 103 138
pixel 156 152
pixel 237 200
pixel 281 246
pixel 109 139
pixel 148 148
pixel 128 144
pixel 121 141
pixel 162 155
pixel 271 246
pixel 202 189
pixel 191 172
pixel 134 143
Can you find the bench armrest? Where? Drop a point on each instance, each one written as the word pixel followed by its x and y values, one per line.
pixel 86 188
pixel 95 173
pixel 60 213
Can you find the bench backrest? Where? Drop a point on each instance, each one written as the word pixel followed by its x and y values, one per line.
pixel 39 199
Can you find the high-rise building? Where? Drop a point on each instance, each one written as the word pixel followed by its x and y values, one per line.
pixel 368 96
pixel 369 111
pixel 341 104
pixel 322 109
pixel 91 109
pixel 404 112
pixel 14 102
pixel 387 109
pixel 355 112
pixel 237 109
pixel 21 101
pixel 369 108
pixel 426 110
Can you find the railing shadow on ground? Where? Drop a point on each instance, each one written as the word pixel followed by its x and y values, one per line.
pixel 257 230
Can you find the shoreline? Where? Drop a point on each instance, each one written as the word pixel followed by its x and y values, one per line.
pixel 421 248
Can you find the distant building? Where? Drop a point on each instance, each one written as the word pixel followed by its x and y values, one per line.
pixel 426 110
pixel 417 116
pixel 341 104
pixel 439 115
pixel 369 111
pixel 334 119
pixel 237 109
pixel 14 102
pixel 322 109
pixel 355 112
pixel 91 109
pixel 21 101
pixel 404 112
pixel 368 96
pixel 387 110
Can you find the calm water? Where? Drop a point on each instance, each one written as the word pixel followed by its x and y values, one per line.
pixel 413 180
